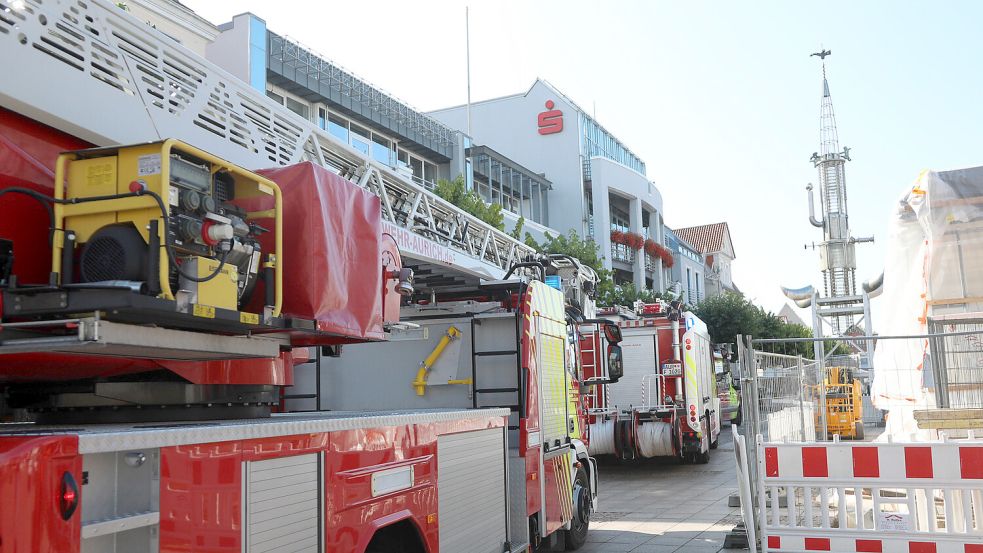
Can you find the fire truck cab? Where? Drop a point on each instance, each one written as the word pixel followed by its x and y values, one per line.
pixel 665 404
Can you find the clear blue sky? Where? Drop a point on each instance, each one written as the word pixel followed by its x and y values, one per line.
pixel 721 99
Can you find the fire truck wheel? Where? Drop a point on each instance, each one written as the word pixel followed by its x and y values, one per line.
pixel 576 536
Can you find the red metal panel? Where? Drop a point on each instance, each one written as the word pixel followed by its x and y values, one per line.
pixel 277 372
pixel 31 470
pixel 866 463
pixel 332 253
pixel 918 462
pixel 555 498
pixel 771 461
pixel 921 546
pixel 817 544
pixel 814 462
pixel 971 462
pixel 534 500
pixel 531 423
pixel 869 546
pixel 200 498
pixel 774 542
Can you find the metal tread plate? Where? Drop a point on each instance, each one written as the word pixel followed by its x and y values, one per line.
pixel 118 437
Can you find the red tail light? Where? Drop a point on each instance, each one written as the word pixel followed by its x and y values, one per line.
pixel 68 500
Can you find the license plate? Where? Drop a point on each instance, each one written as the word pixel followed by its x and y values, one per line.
pixel 672 369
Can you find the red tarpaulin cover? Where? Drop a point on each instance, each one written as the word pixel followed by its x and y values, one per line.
pixel 28 151
pixel 332 266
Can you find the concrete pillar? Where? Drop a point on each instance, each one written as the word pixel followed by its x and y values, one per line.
pixel 655 220
pixel 635 225
pixel 602 220
pixel 458 165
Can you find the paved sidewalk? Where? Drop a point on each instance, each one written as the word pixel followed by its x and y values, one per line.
pixel 652 507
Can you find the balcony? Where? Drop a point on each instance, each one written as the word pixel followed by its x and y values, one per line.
pixel 622 253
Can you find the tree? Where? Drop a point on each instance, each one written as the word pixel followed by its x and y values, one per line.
pixel 626 294
pixel 729 314
pixel 456 192
pixel 517 229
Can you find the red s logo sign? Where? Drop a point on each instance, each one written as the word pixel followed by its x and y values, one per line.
pixel 551 120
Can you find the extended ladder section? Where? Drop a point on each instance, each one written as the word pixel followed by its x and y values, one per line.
pixel 111 79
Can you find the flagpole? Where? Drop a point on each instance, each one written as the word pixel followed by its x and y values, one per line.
pixel 467 45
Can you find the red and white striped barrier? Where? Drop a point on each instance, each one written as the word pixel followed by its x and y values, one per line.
pixel 865 497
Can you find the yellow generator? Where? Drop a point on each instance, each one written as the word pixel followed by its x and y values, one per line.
pixel 166 220
pixel 844 404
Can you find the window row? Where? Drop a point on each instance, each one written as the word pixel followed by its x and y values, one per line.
pixel 599 143
pixel 375 145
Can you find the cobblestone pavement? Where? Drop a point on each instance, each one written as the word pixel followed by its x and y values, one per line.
pixel 660 507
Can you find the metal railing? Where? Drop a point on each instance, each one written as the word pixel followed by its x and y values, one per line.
pixel 789 397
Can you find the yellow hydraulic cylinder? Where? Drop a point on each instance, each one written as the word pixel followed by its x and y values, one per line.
pixel 420 383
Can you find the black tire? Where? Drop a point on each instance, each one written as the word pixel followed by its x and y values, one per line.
pixel 386 547
pixel 390 543
pixel 859 429
pixel 576 536
pixel 736 421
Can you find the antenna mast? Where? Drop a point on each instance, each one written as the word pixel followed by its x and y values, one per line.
pixel 837 251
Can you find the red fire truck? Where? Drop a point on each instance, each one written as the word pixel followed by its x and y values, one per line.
pixel 157 299
pixel 665 403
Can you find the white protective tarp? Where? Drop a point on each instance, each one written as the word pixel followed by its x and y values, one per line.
pixel 933 266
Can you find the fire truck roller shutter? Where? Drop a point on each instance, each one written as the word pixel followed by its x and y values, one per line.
pixel 471 491
pixel 281 507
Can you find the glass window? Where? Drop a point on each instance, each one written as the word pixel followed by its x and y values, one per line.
pixel 362 132
pixel 417 165
pixel 275 96
pixel 403 158
pixel 361 138
pixel 360 144
pixel 299 108
pixel 322 117
pixel 381 149
pixel 338 127
pixel 430 172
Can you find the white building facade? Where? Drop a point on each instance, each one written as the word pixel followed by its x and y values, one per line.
pixel 598 185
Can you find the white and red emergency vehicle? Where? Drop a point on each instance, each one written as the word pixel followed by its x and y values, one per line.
pixel 156 299
pixel 665 403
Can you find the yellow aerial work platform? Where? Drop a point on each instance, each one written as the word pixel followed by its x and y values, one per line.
pixel 844 404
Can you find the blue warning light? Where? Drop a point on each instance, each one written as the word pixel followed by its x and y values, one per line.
pixel 553 281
